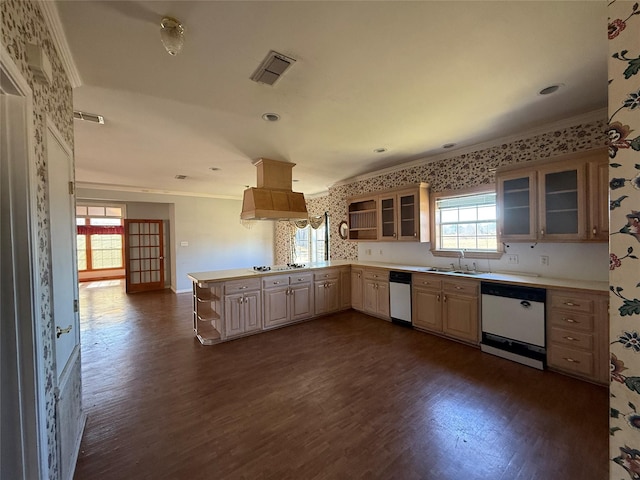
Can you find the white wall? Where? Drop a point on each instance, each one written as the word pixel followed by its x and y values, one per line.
pixel 586 261
pixel 211 227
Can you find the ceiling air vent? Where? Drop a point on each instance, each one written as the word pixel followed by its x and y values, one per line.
pixel 89 117
pixel 272 68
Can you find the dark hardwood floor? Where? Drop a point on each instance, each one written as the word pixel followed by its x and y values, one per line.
pixel 346 396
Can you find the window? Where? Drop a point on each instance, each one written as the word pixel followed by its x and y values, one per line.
pixel 465 220
pixel 100 237
pixel 309 244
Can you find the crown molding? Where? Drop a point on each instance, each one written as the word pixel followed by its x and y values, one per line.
pixel 54 24
pixel 601 114
pixel 150 191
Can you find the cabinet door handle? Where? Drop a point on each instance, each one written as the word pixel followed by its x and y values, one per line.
pixel 542 232
pixel 444 298
pixel 571 304
pixel 568 337
pixel 594 231
pixel 570 360
pixel 570 320
pixel 437 298
pixel 242 288
pixel 415 234
pixel 458 288
pixel 394 234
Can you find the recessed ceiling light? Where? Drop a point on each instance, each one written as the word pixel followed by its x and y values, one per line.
pixel 214 169
pixel 550 89
pixel 180 177
pixel 380 150
pixel 270 117
pixel 448 145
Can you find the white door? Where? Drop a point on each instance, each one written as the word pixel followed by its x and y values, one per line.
pixel 64 271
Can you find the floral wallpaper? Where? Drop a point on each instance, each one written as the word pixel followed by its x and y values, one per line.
pixel 461 171
pixel 20 22
pixel 624 244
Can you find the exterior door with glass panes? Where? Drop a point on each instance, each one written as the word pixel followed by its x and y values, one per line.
pixel 144 255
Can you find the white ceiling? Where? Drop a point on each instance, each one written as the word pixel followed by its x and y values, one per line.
pixel 407 76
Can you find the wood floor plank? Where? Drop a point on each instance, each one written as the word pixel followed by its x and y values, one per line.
pixel 346 396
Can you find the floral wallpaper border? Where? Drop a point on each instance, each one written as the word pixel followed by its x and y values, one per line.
pixel 624 245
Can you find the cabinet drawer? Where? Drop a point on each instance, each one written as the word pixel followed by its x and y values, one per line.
pixel 376 275
pixel 571 339
pixel 301 278
pixel 574 303
pixel 275 281
pixel 242 285
pixel 326 275
pixel 426 281
pixel 571 360
pixel 571 321
pixel 462 288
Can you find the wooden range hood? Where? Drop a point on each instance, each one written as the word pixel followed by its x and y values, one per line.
pixel 273 198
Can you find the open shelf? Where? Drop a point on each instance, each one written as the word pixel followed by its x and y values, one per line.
pixel 208 335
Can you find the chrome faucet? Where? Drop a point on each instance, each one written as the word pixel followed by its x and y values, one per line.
pixel 460 259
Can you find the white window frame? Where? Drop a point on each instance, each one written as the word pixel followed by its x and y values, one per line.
pixel 314 237
pixel 435 227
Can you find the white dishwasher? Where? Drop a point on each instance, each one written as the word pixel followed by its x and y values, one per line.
pixel 513 323
pixel 400 297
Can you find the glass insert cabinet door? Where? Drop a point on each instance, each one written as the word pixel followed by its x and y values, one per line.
pixel 516 193
pixel 388 217
pixel 562 204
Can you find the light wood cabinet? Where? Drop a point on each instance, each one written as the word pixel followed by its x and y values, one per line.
pixel 326 291
pixel 460 310
pixel 578 334
pixel 242 313
pixel 345 288
pixel 598 173
pixel 449 306
pixel 207 305
pixel 357 297
pixel 562 212
pixel 426 302
pixel 363 218
pixel 559 200
pixel 400 214
pixel 376 293
pixel 404 215
pixel 287 299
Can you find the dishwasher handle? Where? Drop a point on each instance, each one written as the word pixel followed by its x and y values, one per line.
pixel 525 304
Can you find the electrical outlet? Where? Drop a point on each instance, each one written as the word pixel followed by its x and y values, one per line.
pixel 544 260
pixel 512 259
pixel 367 251
pixel 380 252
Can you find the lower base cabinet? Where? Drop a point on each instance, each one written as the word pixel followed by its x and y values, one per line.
pixel 242 313
pixel 578 334
pixel 449 307
pixel 326 291
pixel 376 293
pixel 357 299
pixel 287 299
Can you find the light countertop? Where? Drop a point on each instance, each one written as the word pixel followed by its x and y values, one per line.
pixel 502 277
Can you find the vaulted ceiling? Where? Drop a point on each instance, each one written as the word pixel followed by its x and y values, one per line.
pixel 405 76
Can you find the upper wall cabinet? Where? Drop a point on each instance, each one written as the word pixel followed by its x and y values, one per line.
pixel 560 200
pixel 400 215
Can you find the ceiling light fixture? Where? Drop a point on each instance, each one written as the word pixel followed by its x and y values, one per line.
pixel 448 145
pixel 214 169
pixel 172 35
pixel 380 150
pixel 270 117
pixel 180 177
pixel 550 89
